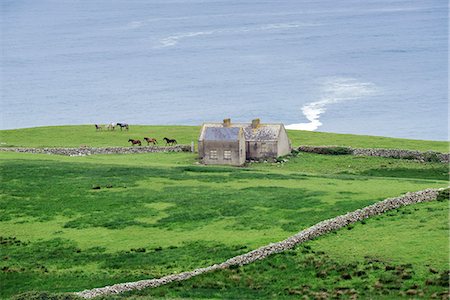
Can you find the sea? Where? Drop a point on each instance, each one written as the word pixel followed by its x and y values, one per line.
pixel 373 67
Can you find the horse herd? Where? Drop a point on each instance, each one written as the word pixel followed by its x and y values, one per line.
pixel 112 126
pixel 169 142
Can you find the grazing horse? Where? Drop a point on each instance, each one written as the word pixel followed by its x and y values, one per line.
pixel 151 140
pixel 111 126
pixel 98 127
pixel 123 125
pixel 135 142
pixel 170 142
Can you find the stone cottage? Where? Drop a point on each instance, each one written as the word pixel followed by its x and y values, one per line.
pixel 222 146
pixel 241 141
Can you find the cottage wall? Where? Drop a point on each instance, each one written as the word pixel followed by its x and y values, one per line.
pixel 242 151
pixel 284 144
pixel 260 150
pixel 236 150
pixel 201 151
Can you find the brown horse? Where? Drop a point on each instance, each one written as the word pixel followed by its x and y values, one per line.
pixel 135 142
pixel 98 127
pixel 151 140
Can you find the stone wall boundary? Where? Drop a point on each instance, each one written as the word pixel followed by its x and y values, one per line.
pixel 423 156
pixel 83 151
pixel 310 233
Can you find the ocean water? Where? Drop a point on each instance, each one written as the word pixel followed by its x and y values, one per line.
pixel 375 67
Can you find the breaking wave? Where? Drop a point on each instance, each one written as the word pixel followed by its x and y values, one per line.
pixel 174 39
pixel 334 91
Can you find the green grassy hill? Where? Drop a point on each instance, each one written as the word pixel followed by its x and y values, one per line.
pixel 402 253
pixel 75 136
pixel 72 223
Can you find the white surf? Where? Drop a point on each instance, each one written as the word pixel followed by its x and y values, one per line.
pixel 334 91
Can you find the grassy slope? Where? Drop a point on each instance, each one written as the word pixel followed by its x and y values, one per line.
pixel 381 258
pixel 74 136
pixel 185 216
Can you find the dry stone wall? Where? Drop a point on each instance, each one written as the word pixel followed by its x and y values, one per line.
pixel 428 156
pixel 83 151
pixel 261 253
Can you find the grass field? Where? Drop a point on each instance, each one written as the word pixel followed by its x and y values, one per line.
pixel 75 136
pixel 71 223
pixel 402 253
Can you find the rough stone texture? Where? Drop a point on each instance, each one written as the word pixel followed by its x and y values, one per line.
pixel 392 153
pixel 261 253
pixel 83 151
pixel 261 141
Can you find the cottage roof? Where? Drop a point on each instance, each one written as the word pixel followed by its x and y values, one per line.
pixel 263 132
pixel 221 134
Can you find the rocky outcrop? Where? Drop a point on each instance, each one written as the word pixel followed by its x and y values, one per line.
pixel 428 156
pixel 261 253
pixel 83 151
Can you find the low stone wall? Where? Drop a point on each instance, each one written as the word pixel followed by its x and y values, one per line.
pixel 108 150
pixel 429 156
pixel 261 253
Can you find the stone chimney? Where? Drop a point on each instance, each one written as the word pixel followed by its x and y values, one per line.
pixel 226 122
pixel 255 123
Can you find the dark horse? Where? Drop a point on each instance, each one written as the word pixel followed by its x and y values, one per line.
pixel 170 142
pixel 151 140
pixel 135 142
pixel 98 127
pixel 123 125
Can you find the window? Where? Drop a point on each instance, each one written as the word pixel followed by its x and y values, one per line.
pixel 264 147
pixel 227 154
pixel 213 154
